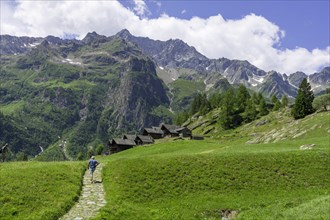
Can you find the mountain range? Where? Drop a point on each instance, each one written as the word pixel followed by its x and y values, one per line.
pixel 87 91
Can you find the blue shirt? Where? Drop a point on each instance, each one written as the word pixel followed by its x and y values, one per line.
pixel 92 164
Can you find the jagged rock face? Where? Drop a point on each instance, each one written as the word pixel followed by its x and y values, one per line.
pixel 276 84
pixel 16 45
pixel 242 72
pixel 94 38
pixel 138 92
pixel 10 45
pixel 173 55
pixel 321 80
pixel 296 78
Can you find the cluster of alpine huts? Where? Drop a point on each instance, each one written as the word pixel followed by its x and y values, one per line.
pixel 148 135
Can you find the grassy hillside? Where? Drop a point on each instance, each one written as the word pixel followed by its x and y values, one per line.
pixel 183 92
pixel 35 190
pixel 186 179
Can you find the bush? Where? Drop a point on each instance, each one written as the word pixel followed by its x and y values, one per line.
pixel 321 102
pixel 80 156
pixel 99 149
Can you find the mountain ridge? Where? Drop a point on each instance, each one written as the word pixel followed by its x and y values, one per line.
pixel 175 54
pixel 181 55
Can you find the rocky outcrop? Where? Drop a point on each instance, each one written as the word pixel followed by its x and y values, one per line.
pixel 138 92
pixel 320 80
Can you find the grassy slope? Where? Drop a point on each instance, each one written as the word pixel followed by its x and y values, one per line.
pixel 183 179
pixel 183 91
pixel 195 179
pixel 35 190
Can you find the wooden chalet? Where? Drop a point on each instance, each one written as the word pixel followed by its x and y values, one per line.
pixel 184 132
pixel 143 139
pixel 139 139
pixel 154 132
pixel 170 130
pixel 174 131
pixel 118 144
pixel 129 137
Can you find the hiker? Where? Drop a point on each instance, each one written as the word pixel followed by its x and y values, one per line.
pixel 92 166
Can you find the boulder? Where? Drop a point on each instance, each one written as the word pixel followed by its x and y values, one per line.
pixel 307 147
pixel 262 123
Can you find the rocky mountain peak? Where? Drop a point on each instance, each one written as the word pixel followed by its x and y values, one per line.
pixel 326 69
pixel 45 44
pixel 125 34
pixel 93 37
pixel 54 40
pixel 320 80
pixel 296 78
pixel 17 45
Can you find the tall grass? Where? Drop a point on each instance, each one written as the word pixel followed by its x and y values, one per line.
pixel 35 190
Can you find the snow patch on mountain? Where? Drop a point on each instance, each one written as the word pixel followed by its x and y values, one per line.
pixel 34 44
pixel 71 62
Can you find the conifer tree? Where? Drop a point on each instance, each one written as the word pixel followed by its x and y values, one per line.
pixel 242 97
pixel 200 104
pixel 256 99
pixel 276 103
pixel 263 106
pixel 195 104
pixel 181 117
pixel 284 101
pixel 215 100
pixel 260 96
pixel 250 112
pixel 227 113
pixel 303 105
pixel 205 106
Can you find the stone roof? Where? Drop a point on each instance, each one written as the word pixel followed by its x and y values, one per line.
pixel 145 139
pixel 154 130
pixel 170 128
pixel 130 136
pixel 120 141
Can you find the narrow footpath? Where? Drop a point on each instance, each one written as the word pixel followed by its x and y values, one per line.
pixel 90 200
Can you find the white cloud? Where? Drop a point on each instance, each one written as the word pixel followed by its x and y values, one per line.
pixel 141 8
pixel 251 38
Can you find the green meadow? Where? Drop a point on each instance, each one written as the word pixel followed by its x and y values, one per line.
pixel 260 184
pixel 184 179
pixel 36 190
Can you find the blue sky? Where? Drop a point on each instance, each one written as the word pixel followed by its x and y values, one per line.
pixel 285 36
